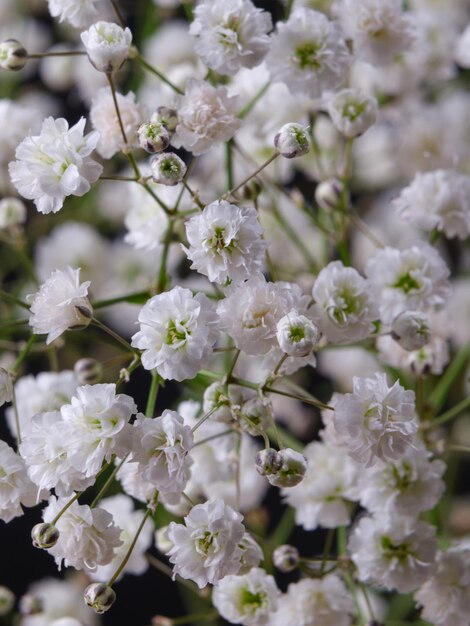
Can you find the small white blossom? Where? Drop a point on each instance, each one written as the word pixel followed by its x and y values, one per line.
pixel 308 53
pixel 225 242
pixel 87 537
pixel 411 279
pixel 107 45
pixel 438 199
pixel 344 304
pixel 104 118
pixel 393 554
pixel 310 602
pixel 77 12
pixel 297 334
pixel 352 112
pixel 161 447
pixel 206 116
pixel 248 599
pixel 206 547
pixel 230 34
pixel 376 421
pixel 54 307
pixel 177 333
pixel 379 29
pixel 16 488
pixel 445 596
pixel 55 164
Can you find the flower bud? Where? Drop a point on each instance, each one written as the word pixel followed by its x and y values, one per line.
pixel 168 169
pixel 167 117
pixel 410 329
pixel 84 313
pixel 44 535
pixel 286 558
pixel 153 137
pixel 259 414
pixel 292 470
pixel 100 597
pixel 162 542
pixel 268 461
pixel 12 55
pixel 7 600
pixel 352 112
pixel 296 334
pixel 107 45
pixel 222 399
pixel 30 604
pixel 328 194
pixel 6 387
pixel 12 212
pixel 88 371
pixel 292 141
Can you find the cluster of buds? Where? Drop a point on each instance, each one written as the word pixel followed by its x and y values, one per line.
pixel 285 468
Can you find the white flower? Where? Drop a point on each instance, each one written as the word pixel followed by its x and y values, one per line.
pixel 107 45
pixel 177 333
pixel 411 279
pixel 104 118
pixel 344 304
pixel 55 164
pixel 77 12
pixel 392 553
pixel 145 221
pixel 438 199
pixel 225 242
pixel 376 421
pixel 87 536
pixel 352 112
pixel 97 418
pixel 121 508
pixel 54 307
pixel 12 212
pixel 6 387
pixel 308 53
pixel 206 116
pixel 445 596
pixel 380 29
pixel 247 599
pixel 313 602
pixel 230 34
pixel 404 487
pixel 206 547
pixel 297 334
pixel 161 447
pixel 16 488
pixel 324 497
pixel 250 312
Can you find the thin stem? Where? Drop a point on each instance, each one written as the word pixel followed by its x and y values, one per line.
pixel 272 158
pixel 23 354
pixel 114 335
pixel 128 179
pixel 232 366
pixel 451 413
pixel 330 535
pixel 365 230
pixel 117 12
pixel 64 508
pixel 193 194
pixel 152 397
pixel 203 419
pixel 116 574
pixel 109 76
pixel 12 298
pixel 440 391
pixel 108 482
pixel 164 569
pixel 226 432
pixel 161 277
pixel 17 417
pixel 128 297
pixel 64 53
pixel 249 106
pixel 229 163
pixel 164 79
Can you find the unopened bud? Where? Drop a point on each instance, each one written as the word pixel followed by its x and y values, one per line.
pixel 268 461
pixel 100 597
pixel 12 212
pixel 223 400
pixel 153 137
pixel 292 470
pixel 352 112
pixel 328 194
pixel 410 329
pixel 168 169
pixel 258 413
pixel 30 604
pixel 167 117
pixel 44 535
pixel 88 371
pixel 84 314
pixel 162 542
pixel 286 558
pixel 292 141
pixel 13 55
pixel 7 600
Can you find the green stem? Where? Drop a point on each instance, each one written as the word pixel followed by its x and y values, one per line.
pixel 128 297
pixel 17 417
pixel 451 413
pixel 114 335
pixel 64 508
pixel 12 298
pixel 164 79
pixel 64 53
pixel 109 76
pixel 203 419
pixel 226 432
pixel 284 529
pixel 272 158
pixel 128 179
pixel 440 392
pixel 330 535
pixel 117 12
pixel 23 354
pixel 108 482
pixel 162 273
pixel 152 397
pixel 164 569
pixel 249 106
pixel 229 163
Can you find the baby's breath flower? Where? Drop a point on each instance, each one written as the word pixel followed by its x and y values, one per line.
pixel 107 45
